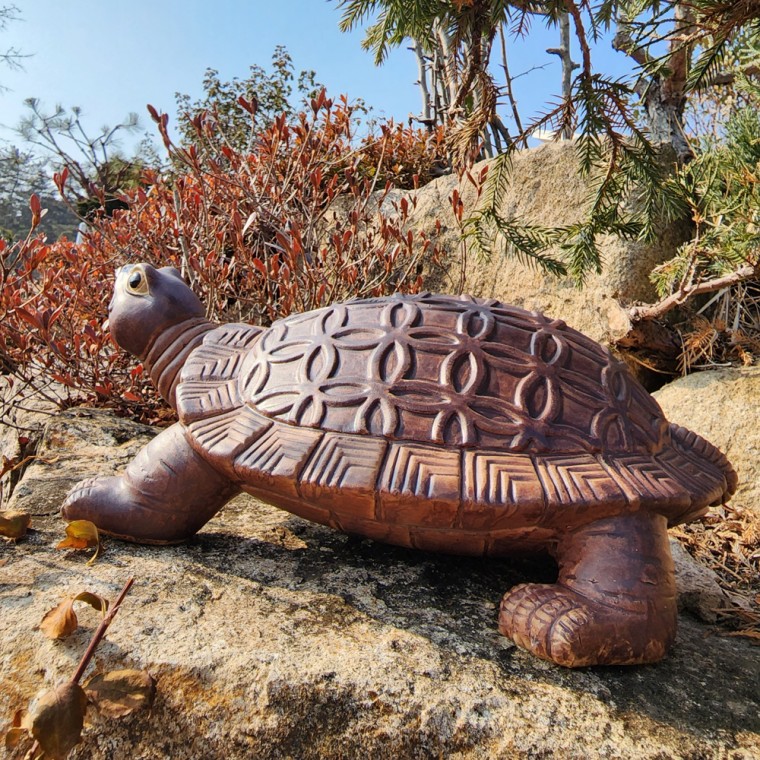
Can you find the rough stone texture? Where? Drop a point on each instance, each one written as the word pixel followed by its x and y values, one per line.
pixel 699 590
pixel 272 638
pixel 21 423
pixel 546 190
pixel 74 446
pixel 722 406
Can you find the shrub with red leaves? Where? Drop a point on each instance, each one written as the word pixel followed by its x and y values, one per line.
pixel 407 157
pixel 53 341
pixel 295 223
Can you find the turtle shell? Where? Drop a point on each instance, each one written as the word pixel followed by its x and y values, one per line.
pixel 445 422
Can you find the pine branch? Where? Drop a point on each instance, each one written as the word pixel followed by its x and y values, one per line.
pixel 526 242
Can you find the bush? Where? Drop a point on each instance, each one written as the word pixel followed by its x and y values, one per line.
pixel 53 337
pixel 295 224
pixel 407 157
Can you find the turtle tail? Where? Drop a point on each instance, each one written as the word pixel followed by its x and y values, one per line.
pixel 714 461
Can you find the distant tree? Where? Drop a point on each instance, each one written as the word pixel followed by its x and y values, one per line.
pixel 243 107
pixel 21 174
pixel 11 57
pixel 97 171
pixel 452 42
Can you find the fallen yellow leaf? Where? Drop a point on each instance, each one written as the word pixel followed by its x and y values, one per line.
pixel 62 621
pixel 81 534
pixel 14 524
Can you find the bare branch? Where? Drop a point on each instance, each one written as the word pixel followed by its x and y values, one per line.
pixel 729 77
pixel 655 311
pixel 422 83
pixel 568 65
pixel 623 42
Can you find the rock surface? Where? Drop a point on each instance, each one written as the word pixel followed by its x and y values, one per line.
pixel 726 413
pixel 22 420
pixel 74 446
pixel 546 190
pixel 272 638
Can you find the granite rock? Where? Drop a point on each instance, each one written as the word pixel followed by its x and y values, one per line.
pixel 545 189
pixel 271 637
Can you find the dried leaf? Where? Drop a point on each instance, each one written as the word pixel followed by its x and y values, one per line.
pixel 62 621
pixel 19 730
pixel 14 737
pixel 58 719
pixel 96 602
pixel 748 634
pixel 80 534
pixel 249 221
pixel 121 692
pixel 14 524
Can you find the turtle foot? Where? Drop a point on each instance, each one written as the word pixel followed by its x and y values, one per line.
pixel 106 502
pixel 614 602
pixel 80 492
pixel 87 499
pixel 560 625
pixel 166 494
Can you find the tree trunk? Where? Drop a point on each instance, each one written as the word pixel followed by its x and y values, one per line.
pixel 664 93
pixel 568 65
pixel 426 116
pixel 449 65
pixel 510 93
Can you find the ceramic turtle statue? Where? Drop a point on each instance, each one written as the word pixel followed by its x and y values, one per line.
pixel 446 423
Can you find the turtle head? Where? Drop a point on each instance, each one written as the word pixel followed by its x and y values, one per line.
pixel 147 301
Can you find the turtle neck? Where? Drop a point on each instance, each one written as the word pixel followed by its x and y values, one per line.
pixel 168 353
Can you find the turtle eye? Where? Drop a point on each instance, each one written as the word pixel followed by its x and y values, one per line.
pixel 137 283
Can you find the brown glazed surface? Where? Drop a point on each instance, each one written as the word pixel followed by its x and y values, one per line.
pixel 444 423
pixel 449 371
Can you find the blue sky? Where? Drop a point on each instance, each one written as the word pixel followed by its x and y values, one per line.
pixel 114 58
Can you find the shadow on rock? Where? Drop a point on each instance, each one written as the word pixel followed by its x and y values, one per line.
pixel 709 683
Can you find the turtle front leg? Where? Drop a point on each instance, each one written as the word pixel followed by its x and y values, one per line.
pixel 614 602
pixel 166 494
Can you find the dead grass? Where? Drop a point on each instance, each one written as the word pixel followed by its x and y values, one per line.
pixel 727 540
pixel 725 331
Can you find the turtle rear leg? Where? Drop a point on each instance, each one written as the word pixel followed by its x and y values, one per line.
pixel 166 494
pixel 614 602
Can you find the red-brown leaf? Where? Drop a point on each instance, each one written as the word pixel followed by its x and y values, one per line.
pixel 58 718
pixel 29 317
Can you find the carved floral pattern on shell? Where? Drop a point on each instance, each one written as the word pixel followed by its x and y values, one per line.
pixel 455 371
